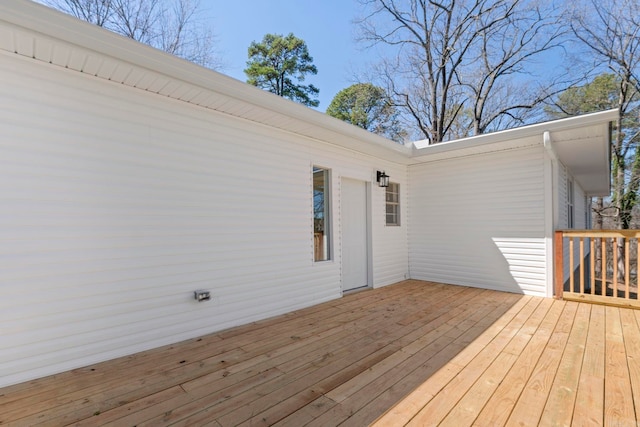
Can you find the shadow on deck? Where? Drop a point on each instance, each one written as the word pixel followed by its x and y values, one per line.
pixel 415 352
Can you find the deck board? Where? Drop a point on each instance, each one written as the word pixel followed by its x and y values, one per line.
pixel 476 396
pixel 618 400
pixel 589 407
pixel 413 353
pixel 561 400
pixel 533 399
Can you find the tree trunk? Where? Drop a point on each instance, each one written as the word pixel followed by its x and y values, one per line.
pixel 619 186
pixel 598 225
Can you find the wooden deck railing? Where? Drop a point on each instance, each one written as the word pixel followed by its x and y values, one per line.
pixel 602 266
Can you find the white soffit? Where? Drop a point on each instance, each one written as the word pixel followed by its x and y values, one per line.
pixel 585 152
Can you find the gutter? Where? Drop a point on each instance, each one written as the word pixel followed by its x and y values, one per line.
pixel 546 137
pixel 421 149
pixel 52 26
pixel 548 146
pixel 552 219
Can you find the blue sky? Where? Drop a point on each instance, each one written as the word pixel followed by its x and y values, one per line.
pixel 325 25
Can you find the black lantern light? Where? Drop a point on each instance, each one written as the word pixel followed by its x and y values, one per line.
pixel 383 179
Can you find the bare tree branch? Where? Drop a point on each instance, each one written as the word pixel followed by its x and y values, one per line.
pixel 453 56
pixel 169 25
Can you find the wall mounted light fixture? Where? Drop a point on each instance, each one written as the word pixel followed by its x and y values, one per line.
pixel 383 179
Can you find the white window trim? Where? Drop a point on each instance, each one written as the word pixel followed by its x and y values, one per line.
pixel 327 244
pixel 571 212
pixel 397 204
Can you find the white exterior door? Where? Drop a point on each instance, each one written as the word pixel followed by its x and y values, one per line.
pixel 355 246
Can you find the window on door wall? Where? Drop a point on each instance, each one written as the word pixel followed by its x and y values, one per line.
pixel 321 214
pixel 570 208
pixel 392 200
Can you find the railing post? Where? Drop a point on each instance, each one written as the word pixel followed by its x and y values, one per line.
pixel 558 264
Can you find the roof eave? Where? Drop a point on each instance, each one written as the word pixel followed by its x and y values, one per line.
pixel 420 148
pixel 65 28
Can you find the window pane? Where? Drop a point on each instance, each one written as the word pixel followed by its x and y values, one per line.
pixel 570 210
pixel 321 214
pixel 392 200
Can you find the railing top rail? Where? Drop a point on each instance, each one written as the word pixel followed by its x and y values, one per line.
pixel 629 234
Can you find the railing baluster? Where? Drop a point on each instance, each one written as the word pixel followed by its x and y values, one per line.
pixel 626 268
pixel 603 264
pixel 571 269
pixel 592 253
pixel 581 265
pixel 614 249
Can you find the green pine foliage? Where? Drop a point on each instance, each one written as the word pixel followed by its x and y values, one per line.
pixel 278 64
pixel 598 95
pixel 369 107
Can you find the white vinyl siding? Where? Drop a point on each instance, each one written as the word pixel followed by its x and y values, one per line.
pixel 118 203
pixel 570 201
pixel 479 221
pixel 390 255
pixel 580 207
pixel 579 221
pixel 563 179
pixel 588 216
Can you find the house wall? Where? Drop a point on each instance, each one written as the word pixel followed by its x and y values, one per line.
pixel 391 263
pixel 580 209
pixel 579 202
pixel 563 219
pixel 118 203
pixel 479 221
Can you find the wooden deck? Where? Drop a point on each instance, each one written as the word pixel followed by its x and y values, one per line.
pixel 413 353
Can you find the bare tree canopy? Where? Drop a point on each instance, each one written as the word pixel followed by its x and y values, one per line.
pixel 459 67
pixel 609 30
pixel 169 25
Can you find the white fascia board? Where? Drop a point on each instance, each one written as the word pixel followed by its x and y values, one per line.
pixel 421 151
pixel 65 28
pixel 68 29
